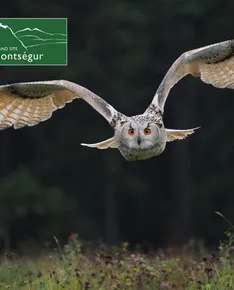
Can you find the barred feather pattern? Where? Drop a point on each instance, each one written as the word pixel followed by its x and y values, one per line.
pixel 28 104
pixel 220 75
pixel 214 64
pixel 18 111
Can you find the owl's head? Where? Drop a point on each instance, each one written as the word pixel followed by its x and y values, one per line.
pixel 141 140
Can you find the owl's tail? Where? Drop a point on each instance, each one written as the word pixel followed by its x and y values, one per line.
pixel 173 135
pixel 109 143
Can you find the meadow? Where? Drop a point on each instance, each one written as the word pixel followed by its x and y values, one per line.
pixel 79 266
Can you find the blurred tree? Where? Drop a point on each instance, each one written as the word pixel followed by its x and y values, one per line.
pixel 121 50
pixel 25 204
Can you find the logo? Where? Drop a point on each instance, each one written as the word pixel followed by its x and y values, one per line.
pixel 33 41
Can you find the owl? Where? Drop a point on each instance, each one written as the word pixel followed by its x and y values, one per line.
pixel 137 137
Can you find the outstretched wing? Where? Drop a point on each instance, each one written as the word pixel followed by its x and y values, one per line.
pixel 109 143
pixel 173 134
pixel 24 104
pixel 214 64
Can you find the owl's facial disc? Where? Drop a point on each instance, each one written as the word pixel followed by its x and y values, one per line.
pixel 140 136
pixel 143 140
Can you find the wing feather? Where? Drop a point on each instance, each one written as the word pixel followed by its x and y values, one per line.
pixel 214 64
pixel 28 104
pixel 173 135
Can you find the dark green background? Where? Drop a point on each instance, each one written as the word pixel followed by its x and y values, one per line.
pixel 50 185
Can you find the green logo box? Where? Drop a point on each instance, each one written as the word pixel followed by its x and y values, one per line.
pixel 33 41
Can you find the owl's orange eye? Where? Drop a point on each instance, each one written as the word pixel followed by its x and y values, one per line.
pixel 131 132
pixel 147 131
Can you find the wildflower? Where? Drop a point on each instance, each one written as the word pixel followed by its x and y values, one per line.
pixel 164 285
pixel 132 256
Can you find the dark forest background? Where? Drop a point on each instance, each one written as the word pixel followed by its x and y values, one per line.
pixel 52 186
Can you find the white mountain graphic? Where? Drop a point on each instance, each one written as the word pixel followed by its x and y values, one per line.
pixel 30 37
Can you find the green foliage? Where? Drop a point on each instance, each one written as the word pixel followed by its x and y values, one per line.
pixel 121 50
pixel 78 266
pixel 23 196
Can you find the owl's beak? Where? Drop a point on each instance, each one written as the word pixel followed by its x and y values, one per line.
pixel 139 140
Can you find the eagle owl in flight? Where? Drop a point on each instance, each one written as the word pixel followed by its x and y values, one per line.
pixel 137 137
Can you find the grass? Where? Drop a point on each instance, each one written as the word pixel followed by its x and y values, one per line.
pixel 74 267
pixel 77 267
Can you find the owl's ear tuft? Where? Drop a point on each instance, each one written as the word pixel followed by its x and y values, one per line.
pixel 173 135
pixel 109 143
